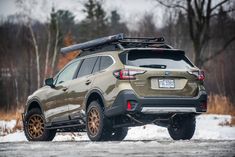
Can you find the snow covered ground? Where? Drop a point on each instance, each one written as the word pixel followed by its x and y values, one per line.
pixel 208 127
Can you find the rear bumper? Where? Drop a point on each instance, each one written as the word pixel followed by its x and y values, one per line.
pixel 157 105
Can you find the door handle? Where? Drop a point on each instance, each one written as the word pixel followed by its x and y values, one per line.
pixel 88 82
pixel 64 89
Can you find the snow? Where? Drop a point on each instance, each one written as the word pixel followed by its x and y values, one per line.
pixel 6 126
pixel 208 127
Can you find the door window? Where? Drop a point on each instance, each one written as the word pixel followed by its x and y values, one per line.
pixel 68 73
pixel 97 66
pixel 87 66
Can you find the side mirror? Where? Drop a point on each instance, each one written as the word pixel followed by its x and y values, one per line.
pixel 49 82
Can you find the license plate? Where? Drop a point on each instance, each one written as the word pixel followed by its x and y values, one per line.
pixel 166 83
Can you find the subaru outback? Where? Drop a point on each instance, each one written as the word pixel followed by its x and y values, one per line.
pixel 118 82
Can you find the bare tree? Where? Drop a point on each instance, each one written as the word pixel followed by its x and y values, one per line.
pixel 146 26
pixel 47 52
pixel 199 14
pixel 35 44
pixel 55 47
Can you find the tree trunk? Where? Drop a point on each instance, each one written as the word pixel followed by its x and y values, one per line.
pixel 47 54
pixel 36 54
pixel 55 48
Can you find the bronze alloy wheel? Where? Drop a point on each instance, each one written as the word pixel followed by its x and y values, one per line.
pixel 93 121
pixel 36 126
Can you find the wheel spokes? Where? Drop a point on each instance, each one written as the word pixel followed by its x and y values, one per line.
pixel 36 126
pixel 93 121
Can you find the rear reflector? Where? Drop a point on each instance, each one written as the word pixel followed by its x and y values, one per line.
pixel 129 108
pixel 203 106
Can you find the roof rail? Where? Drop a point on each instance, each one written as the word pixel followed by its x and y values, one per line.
pixel 116 41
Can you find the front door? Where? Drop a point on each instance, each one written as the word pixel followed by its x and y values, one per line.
pixel 56 103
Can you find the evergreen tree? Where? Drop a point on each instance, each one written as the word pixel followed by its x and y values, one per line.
pixel 115 25
pixel 95 24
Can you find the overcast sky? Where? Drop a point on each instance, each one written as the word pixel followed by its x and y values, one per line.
pixel 130 10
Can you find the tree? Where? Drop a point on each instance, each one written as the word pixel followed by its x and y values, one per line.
pixel 95 24
pixel 115 25
pixel 62 22
pixel 199 14
pixel 146 26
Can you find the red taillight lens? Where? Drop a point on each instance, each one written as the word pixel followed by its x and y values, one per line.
pixel 131 105
pixel 200 74
pixel 127 74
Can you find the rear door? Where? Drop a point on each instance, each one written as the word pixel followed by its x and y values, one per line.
pixel 166 73
pixel 80 86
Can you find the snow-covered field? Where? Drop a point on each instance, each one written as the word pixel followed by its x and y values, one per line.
pixel 208 127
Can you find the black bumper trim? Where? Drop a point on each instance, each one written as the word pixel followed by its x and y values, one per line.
pixel 119 105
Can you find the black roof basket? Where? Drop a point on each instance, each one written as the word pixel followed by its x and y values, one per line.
pixel 117 41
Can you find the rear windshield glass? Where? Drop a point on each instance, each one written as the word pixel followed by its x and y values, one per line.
pixel 158 59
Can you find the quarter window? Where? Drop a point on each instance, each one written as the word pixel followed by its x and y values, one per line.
pixel 106 61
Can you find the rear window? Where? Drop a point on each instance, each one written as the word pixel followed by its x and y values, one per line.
pixel 158 59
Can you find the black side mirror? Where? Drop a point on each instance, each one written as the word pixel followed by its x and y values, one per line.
pixel 49 82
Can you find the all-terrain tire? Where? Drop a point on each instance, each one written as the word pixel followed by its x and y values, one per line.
pixel 182 127
pixel 118 134
pixel 97 125
pixel 45 135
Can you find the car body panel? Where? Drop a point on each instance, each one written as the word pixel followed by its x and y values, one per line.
pixel 59 105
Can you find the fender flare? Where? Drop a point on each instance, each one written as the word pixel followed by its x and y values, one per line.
pixel 29 102
pixel 97 91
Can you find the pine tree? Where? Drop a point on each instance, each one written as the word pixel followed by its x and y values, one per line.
pixel 95 24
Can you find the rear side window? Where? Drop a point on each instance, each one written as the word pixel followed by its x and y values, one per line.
pixel 87 66
pixel 158 59
pixel 105 62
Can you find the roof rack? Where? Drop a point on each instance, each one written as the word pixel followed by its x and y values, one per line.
pixel 117 41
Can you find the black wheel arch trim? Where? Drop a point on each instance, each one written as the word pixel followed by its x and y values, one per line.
pixel 97 91
pixel 29 102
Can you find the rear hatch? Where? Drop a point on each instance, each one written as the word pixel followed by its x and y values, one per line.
pixel 166 73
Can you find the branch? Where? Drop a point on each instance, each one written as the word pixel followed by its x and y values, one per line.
pixel 172 5
pixel 219 4
pixel 220 51
pixel 191 17
pixel 227 11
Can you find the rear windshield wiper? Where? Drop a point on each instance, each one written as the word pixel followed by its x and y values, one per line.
pixel 158 66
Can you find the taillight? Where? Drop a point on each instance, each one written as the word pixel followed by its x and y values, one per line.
pixel 127 74
pixel 200 74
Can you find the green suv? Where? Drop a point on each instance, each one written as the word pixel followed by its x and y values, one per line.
pixel 118 82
